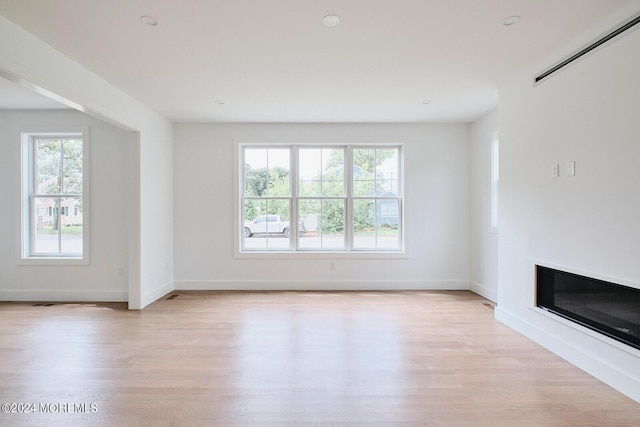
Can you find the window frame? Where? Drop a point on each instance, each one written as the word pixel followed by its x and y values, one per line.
pixel 321 198
pixel 27 221
pixel 294 250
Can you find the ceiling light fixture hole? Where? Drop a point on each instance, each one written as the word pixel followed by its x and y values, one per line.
pixel 511 20
pixel 331 20
pixel 149 20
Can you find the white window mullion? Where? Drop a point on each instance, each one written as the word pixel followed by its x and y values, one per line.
pixel 376 221
pixel 401 199
pixel 32 180
pixel 61 190
pixel 30 229
pixel 348 182
pixel 241 189
pixel 59 222
pixel 294 214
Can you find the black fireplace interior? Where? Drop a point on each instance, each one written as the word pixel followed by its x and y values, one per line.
pixel 608 308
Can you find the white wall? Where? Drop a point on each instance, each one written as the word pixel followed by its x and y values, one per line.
pixel 436 201
pixel 100 280
pixel 35 64
pixel 484 242
pixel 156 213
pixel 588 113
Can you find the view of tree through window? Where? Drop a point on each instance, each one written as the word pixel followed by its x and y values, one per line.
pixel 321 203
pixel 56 203
pixel 376 198
pixel 267 197
pixel 334 206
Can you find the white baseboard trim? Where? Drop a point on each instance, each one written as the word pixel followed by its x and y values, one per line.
pixel 483 291
pixel 621 381
pixel 64 296
pixel 157 293
pixel 320 285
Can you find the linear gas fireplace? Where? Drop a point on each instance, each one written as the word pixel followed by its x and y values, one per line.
pixel 609 308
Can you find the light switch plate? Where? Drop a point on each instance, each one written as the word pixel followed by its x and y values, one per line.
pixel 571 169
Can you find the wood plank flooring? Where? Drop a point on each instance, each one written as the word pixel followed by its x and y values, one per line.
pixel 426 358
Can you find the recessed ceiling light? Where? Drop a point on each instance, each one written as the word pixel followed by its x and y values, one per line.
pixel 331 20
pixel 511 20
pixel 149 20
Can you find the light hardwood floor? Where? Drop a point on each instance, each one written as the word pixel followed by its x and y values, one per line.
pixel 291 358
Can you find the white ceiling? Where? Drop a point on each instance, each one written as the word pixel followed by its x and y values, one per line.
pixel 274 61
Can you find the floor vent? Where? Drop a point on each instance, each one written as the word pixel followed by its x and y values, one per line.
pixel 599 43
pixel 174 296
pixel 489 306
pixel 42 305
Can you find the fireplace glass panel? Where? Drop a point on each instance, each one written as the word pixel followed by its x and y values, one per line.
pixel 609 308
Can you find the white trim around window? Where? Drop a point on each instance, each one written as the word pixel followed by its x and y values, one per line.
pixel 55 205
pixel 315 187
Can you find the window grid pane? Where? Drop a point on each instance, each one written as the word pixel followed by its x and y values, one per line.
pixel 267 224
pixel 324 223
pixel 320 201
pixel 46 227
pixel 321 172
pixel 48 164
pixel 376 224
pixel 266 201
pixel 55 200
pixel 267 172
pixel 72 166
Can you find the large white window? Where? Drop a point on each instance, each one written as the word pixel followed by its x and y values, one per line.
pixel 308 198
pixel 54 198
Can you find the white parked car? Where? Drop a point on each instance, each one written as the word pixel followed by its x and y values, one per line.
pixel 271 224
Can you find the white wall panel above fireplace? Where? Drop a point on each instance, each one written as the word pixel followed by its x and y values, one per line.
pixel 587 114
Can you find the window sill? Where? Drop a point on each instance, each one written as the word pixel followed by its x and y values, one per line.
pixel 53 261
pixel 320 255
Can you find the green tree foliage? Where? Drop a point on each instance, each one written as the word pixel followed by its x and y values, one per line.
pixel 332 217
pixel 274 182
pixel 49 179
pixel 363 215
pixel 72 170
pixel 260 182
pixel 366 159
pixel 59 166
pixel 368 180
pixel 59 169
